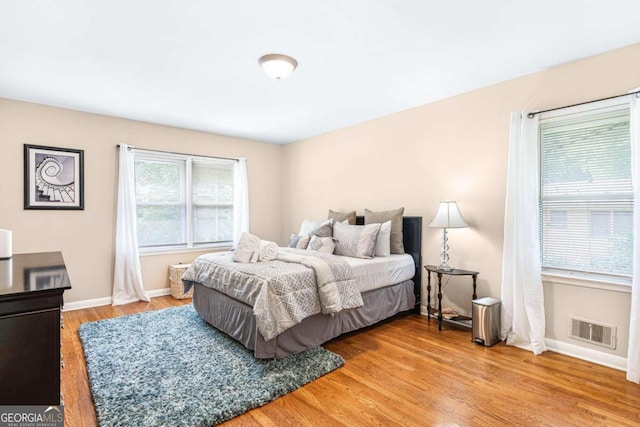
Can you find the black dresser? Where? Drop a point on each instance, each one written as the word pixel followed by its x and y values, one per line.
pixel 31 287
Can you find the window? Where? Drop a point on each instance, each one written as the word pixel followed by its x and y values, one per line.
pixel 586 197
pixel 183 201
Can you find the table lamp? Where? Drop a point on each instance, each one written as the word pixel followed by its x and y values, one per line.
pixel 448 216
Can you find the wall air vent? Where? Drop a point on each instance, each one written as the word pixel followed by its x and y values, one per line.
pixel 592 332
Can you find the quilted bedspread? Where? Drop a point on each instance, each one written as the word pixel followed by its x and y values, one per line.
pixel 282 292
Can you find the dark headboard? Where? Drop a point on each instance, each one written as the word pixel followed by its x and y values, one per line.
pixel 412 240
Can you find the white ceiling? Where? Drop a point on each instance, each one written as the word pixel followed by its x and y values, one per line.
pixel 193 63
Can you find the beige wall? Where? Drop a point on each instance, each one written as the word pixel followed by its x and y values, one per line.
pixel 86 238
pixel 455 149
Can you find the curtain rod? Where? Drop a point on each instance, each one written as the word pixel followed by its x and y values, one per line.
pixel 533 114
pixel 179 154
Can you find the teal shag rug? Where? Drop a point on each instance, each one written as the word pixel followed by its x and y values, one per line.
pixel 171 368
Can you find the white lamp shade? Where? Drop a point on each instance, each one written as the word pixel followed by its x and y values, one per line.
pixel 448 216
pixel 278 66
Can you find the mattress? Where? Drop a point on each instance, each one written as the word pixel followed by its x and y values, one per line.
pixel 379 272
pixel 369 274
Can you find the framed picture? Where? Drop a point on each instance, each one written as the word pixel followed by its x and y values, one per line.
pixel 53 178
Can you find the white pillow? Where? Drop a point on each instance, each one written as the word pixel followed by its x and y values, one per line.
pixel 356 241
pixel 308 225
pixel 321 244
pixel 383 241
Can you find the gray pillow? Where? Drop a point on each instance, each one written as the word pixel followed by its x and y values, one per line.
pixel 383 241
pixel 395 216
pixel 308 225
pixel 341 216
pixel 298 242
pixel 293 240
pixel 324 230
pixel 321 244
pixel 357 241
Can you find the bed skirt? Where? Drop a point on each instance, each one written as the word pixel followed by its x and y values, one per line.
pixel 236 319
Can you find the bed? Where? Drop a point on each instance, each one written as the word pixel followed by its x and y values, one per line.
pixel 238 314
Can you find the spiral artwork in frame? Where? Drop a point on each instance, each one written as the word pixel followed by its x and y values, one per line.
pixel 53 178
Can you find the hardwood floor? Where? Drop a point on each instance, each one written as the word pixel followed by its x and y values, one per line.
pixel 405 372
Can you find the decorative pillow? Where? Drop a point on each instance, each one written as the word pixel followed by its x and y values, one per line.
pixel 383 241
pixel 356 241
pixel 308 226
pixel 303 242
pixel 341 216
pixel 293 240
pixel 395 216
pixel 298 242
pixel 324 230
pixel 321 244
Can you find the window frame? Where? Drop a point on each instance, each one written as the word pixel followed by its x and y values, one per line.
pixel 609 282
pixel 186 200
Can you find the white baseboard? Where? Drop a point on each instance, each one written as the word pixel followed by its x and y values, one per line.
pixel 79 305
pixel 590 355
pixel 97 302
pixel 159 292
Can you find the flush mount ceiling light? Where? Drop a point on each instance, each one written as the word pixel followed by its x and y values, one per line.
pixel 278 66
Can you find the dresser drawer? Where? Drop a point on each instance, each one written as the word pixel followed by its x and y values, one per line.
pixel 15 304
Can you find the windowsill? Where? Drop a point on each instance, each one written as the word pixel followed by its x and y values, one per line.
pixel 218 247
pixel 575 279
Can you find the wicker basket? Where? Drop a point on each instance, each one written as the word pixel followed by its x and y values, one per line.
pixel 177 287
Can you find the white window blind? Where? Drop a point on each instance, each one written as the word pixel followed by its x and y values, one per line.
pixel 160 200
pixel 212 191
pixel 586 197
pixel 183 201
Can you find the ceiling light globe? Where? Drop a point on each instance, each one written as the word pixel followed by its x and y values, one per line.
pixel 277 66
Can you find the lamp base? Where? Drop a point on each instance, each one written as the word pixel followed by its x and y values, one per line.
pixel 444 257
pixel 445 267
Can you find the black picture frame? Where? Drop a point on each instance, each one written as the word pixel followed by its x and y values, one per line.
pixel 53 178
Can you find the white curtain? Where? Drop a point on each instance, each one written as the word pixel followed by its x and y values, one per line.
pixel 633 352
pixel 240 200
pixel 523 322
pixel 127 277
